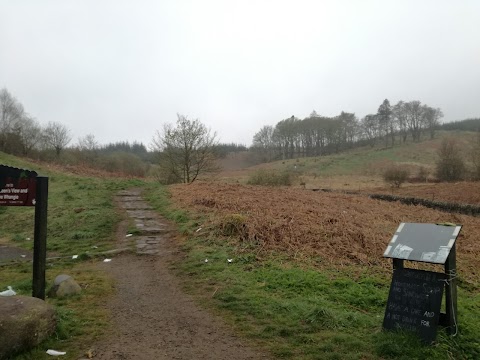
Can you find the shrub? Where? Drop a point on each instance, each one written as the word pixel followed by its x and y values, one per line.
pixel 423 174
pixel 450 165
pixel 475 156
pixel 162 176
pixel 395 176
pixel 271 178
pixel 126 163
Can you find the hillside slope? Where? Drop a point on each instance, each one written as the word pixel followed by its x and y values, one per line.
pixel 360 168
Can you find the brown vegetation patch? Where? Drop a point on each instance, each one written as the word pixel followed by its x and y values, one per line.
pixel 330 228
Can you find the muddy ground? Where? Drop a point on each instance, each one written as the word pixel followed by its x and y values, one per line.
pixel 152 317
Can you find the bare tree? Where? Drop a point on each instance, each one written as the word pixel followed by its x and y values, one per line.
pixel 185 151
pixel 88 143
pixel 415 118
pixel 370 128
pixel 56 136
pixel 29 133
pixel 385 118
pixel 11 111
pixel 263 143
pixel 432 119
pixel 87 148
pixel 400 115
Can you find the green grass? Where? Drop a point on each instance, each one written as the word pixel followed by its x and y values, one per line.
pixel 291 308
pixel 81 216
pixel 81 318
pixel 371 161
pixel 298 311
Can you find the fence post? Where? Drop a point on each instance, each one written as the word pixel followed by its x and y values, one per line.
pixel 40 238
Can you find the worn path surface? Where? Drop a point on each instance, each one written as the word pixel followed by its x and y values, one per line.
pixel 153 318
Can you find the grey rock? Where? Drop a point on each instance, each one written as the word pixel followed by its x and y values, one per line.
pixel 24 323
pixel 64 285
pixel 61 278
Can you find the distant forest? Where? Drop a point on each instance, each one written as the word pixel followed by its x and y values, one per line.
pixel 317 135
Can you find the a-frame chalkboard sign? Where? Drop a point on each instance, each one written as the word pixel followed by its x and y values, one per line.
pixel 415 298
pixel 19 187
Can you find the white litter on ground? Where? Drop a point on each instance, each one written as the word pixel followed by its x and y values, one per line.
pixel 74 257
pixel 55 352
pixel 8 292
pixel 107 260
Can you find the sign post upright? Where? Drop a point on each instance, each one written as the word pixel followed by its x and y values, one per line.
pixel 20 187
pixel 414 301
pixel 40 238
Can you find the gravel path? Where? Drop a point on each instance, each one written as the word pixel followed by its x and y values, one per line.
pixel 153 318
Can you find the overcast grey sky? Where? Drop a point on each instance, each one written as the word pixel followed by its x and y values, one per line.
pixel 120 69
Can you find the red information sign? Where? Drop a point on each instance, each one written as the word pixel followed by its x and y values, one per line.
pixel 17 187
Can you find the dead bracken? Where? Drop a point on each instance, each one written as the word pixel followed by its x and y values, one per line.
pixel 338 229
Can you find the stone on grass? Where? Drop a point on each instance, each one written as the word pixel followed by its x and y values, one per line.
pixel 63 286
pixel 24 323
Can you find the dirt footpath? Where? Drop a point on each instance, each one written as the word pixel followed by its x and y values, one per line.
pixel 152 317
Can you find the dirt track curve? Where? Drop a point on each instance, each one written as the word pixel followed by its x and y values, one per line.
pixel 152 317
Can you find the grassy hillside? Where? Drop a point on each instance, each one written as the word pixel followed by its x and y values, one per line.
pixel 359 168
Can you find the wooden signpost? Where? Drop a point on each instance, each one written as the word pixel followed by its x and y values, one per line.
pixel 20 187
pixel 415 298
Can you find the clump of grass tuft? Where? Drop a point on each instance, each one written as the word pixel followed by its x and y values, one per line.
pixel 322 318
pixel 80 235
pixel 234 225
pixel 18 238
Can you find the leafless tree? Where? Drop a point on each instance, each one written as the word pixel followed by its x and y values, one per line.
pixel 29 133
pixel 56 136
pixel 370 128
pixel 11 111
pixel 385 118
pixel 88 143
pixel 400 116
pixel 185 150
pixel 415 118
pixel 87 148
pixel 263 143
pixel 432 119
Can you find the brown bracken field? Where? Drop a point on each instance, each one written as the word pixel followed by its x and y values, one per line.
pixel 333 229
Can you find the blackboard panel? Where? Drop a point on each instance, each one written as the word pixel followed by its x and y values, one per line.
pixel 414 302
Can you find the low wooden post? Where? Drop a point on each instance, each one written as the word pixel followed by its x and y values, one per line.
pixel 451 321
pixel 40 238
